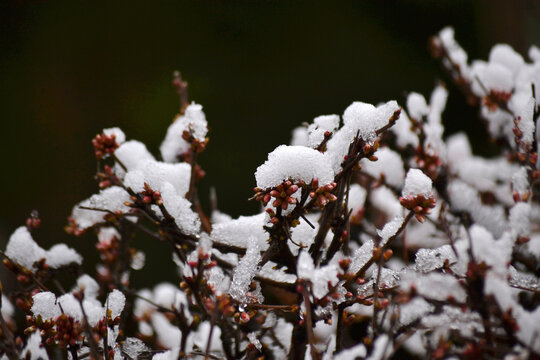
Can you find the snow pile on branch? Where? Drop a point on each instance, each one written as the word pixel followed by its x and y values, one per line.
pixel 295 163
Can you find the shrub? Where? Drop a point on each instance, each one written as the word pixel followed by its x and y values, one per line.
pixel 379 237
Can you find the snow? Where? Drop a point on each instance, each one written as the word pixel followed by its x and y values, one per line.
pixel 236 232
pixel 34 350
pixel 464 198
pixel 115 303
pixel 120 137
pixel 131 153
pixel 7 308
pixel 168 335
pixel 357 198
pixel 417 183
pixel 455 52
pixel 71 306
pixel 430 259
pixel 61 255
pixel 44 305
pixel 23 250
pixel 180 209
pixel 361 256
pixel 320 125
pixel 300 136
pixel 360 119
pixel 295 163
pixel 523 106
pixel 417 106
pixel 111 199
pixel 351 353
pixel 134 348
pixel 519 219
pixel 320 276
pixel 504 55
pixel 389 164
pixel 390 229
pixel 193 121
pixel 385 200
pixel 402 130
pixel 156 174
pixel 366 119
pixel 88 285
pixel 245 272
pixel 492 76
pixel 434 286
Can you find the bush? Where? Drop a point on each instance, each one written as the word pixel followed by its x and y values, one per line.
pixel 379 238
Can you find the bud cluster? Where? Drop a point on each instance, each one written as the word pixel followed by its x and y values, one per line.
pixel 107 177
pixel 282 195
pixel 496 99
pixel 322 195
pixel 419 204
pixel 196 145
pixel 104 145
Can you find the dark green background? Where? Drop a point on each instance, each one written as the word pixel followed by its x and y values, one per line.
pixel 259 68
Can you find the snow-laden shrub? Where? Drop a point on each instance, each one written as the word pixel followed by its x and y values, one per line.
pixel 379 237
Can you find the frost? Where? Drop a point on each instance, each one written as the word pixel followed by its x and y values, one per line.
pixel 23 250
pixel 245 272
pixel 193 121
pixel 109 200
pixel 417 183
pixel 389 165
pixel 296 163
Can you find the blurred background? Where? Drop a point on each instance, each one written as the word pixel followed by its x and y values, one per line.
pixel 68 69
